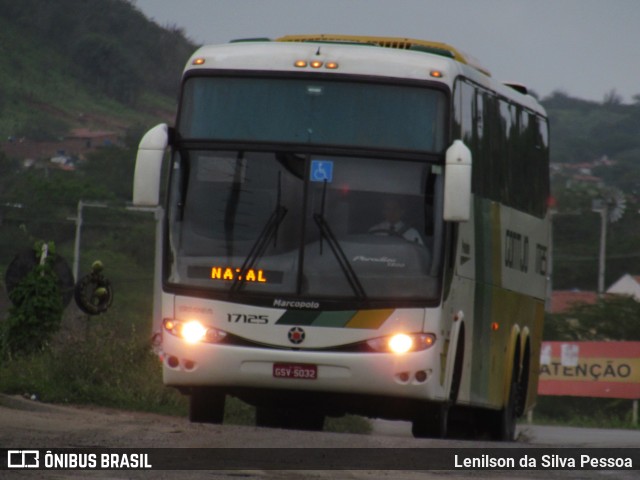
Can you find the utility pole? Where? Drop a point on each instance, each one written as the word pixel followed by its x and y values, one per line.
pixel 76 246
pixel 600 206
pixel 158 213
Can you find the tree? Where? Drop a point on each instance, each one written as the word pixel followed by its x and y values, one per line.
pixel 37 308
pixel 614 317
pixel 110 169
pixel 612 98
pixel 107 66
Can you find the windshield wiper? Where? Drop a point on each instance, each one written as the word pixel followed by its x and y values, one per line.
pixel 257 250
pixel 337 250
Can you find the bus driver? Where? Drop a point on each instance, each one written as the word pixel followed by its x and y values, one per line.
pixel 393 223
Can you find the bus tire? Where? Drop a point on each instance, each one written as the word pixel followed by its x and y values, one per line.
pixel 505 420
pixel 523 384
pixel 457 368
pixel 432 422
pixel 206 405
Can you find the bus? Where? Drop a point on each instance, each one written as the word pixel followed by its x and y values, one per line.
pixel 352 225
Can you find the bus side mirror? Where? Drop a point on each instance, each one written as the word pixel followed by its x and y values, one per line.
pixel 457 183
pixel 146 179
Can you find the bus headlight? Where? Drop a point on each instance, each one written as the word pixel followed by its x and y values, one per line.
pixel 401 343
pixel 193 331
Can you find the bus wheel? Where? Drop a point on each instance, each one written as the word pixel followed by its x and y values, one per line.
pixel 206 405
pixel 291 419
pixel 504 427
pixel 431 422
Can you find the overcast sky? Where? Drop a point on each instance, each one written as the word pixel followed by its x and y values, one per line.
pixel 585 48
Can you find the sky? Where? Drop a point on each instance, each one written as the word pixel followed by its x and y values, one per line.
pixel 583 48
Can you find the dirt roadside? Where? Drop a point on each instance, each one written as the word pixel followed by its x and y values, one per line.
pixel 30 423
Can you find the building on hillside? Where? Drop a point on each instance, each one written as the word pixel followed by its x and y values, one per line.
pixel 80 139
pixel 63 162
pixel 626 285
pixel 575 174
pixel 563 300
pixel 76 145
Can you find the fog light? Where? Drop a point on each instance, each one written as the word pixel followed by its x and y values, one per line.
pixel 421 376
pixel 189 364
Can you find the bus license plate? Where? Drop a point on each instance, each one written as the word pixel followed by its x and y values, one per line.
pixel 300 371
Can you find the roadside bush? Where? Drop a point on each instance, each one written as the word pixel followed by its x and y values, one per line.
pixel 100 368
pixel 37 308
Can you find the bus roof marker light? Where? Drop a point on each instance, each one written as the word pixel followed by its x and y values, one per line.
pixel 436 74
pixel 331 65
pixel 316 64
pixel 198 61
pixel 300 64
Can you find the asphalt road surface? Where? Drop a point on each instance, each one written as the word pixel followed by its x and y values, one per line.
pixel 28 424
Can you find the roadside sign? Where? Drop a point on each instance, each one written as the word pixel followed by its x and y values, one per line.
pixel 590 369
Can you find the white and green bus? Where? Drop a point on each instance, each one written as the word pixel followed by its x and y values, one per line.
pixel 352 225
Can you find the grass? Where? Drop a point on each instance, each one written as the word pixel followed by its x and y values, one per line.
pixel 585 413
pixel 581 420
pixel 102 367
pixel 39 94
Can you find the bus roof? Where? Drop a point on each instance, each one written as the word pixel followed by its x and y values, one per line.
pixel 426 46
pixel 281 53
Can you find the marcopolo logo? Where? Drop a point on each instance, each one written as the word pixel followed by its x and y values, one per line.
pixel 23 459
pixel 278 302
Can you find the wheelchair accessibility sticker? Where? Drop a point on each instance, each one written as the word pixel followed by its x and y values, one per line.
pixel 321 171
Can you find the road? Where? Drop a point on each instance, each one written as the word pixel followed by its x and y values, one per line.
pixel 29 424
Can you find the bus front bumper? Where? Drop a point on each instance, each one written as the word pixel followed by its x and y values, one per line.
pixel 415 375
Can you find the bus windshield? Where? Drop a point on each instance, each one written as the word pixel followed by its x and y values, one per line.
pixel 313 111
pixel 302 225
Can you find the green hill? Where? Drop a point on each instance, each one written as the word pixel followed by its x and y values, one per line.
pixel 73 63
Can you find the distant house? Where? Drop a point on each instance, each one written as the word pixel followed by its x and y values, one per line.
pixel 63 162
pixel 81 139
pixel 76 144
pixel 564 300
pixel 626 285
